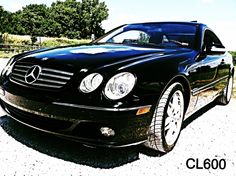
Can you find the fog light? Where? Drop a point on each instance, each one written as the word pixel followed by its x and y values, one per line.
pixel 108 132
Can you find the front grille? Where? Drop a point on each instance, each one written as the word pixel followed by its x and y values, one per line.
pixel 48 78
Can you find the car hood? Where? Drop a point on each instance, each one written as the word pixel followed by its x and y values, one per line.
pixel 89 57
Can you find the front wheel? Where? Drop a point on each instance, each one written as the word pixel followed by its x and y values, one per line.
pixel 167 119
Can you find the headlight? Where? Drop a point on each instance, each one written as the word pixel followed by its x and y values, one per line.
pixel 119 85
pixel 8 68
pixel 90 82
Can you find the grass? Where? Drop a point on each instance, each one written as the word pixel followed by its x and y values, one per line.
pixel 6 54
pixel 48 42
pixel 62 42
pixel 19 43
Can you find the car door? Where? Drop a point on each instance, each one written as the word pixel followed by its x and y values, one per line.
pixel 213 69
pixel 216 50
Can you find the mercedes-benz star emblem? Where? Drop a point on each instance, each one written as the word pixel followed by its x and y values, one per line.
pixel 33 74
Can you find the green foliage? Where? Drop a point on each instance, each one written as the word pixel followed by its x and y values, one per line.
pixel 32 18
pixel 233 53
pixel 47 42
pixel 234 88
pixel 143 38
pixel 62 42
pixel 92 13
pixel 5 20
pixel 6 54
pixel 4 38
pixel 15 40
pixel 17 44
pixel 69 18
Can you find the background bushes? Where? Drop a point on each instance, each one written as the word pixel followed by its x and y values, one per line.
pixel 62 42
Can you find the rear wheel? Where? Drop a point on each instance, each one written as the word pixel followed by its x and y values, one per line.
pixel 224 99
pixel 167 119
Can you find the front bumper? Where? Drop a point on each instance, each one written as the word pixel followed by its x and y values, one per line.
pixel 79 122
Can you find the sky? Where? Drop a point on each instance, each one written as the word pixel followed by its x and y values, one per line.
pixel 219 15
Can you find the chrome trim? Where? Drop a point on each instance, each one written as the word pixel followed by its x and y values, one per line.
pixel 48 78
pixel 206 87
pixel 75 106
pixel 35 84
pixel 16 74
pixel 199 108
pixel 22 66
pixel 55 76
pixel 100 108
pixel 127 145
pixel 46 85
pixel 57 71
pixel 12 79
pixel 19 70
pixel 51 81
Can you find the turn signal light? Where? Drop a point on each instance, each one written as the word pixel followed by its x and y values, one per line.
pixel 143 110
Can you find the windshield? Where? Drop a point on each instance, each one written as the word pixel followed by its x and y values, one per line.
pixel 153 34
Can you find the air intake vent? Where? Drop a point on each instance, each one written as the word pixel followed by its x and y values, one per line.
pixel 39 77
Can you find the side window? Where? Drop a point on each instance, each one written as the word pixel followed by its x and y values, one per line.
pixel 210 40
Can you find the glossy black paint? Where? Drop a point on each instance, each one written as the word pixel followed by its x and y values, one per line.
pixel 203 75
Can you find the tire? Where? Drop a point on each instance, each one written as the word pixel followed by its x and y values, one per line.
pixel 167 119
pixel 224 99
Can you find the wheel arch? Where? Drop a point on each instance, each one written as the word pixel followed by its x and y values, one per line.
pixel 187 90
pixel 156 139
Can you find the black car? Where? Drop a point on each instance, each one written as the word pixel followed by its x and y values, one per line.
pixel 136 84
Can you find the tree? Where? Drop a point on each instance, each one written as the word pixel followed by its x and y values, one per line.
pixel 4 20
pixel 69 18
pixel 32 19
pixel 92 13
pixel 78 19
pixel 62 19
pixel 2 16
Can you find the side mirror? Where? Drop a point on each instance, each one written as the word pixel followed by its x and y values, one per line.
pixel 211 50
pixel 215 49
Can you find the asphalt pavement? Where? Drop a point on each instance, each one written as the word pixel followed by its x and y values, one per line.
pixel 208 138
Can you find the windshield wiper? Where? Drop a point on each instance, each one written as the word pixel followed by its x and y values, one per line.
pixel 145 44
pixel 178 43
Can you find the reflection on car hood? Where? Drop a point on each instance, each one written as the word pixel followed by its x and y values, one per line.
pixel 93 56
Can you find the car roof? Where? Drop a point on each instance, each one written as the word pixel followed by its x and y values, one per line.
pixel 171 22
